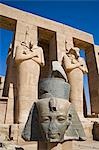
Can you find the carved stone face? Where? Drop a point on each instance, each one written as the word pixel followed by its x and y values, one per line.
pixel 53 118
pixel 75 51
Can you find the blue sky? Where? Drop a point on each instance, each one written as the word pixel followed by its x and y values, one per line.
pixel 80 14
pixel 83 15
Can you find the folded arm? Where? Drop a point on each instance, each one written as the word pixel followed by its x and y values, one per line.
pixel 20 55
pixel 68 65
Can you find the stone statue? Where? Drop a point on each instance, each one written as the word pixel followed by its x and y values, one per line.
pixel 53 118
pixel 28 59
pixel 75 67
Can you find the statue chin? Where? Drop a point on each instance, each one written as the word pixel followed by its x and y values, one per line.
pixel 54 137
pixel 54 140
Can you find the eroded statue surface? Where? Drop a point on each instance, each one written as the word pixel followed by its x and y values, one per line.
pixel 28 58
pixel 75 68
pixel 53 118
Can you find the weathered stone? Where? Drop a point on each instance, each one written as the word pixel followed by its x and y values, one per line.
pixel 75 67
pixel 28 58
pixel 4 132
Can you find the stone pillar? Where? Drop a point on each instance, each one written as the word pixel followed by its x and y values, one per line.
pixel 96 48
pixel 64 41
pixel 92 58
pixel 52 51
pixel 9 73
pixel 21 28
pixel 10 106
pixel 2 79
pixel 27 94
pixel 3 108
pixel 60 46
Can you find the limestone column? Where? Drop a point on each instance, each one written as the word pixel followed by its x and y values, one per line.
pixel 96 49
pixel 10 106
pixel 52 51
pixel 64 43
pixel 92 58
pixel 60 46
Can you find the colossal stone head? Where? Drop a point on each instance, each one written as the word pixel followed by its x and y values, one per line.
pixel 53 118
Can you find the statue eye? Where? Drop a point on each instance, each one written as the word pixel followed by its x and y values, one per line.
pixel 45 119
pixel 61 118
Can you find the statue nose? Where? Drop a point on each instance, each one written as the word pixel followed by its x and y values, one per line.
pixel 53 127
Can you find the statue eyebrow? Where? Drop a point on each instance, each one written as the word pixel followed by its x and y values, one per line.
pixel 61 116
pixel 44 114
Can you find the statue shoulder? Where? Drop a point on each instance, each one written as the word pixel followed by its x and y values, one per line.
pixel 19 47
pixel 40 48
pixel 37 49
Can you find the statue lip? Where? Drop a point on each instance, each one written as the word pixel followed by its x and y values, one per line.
pixel 53 135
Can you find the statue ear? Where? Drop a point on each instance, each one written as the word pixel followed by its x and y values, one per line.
pixel 75 130
pixel 31 131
